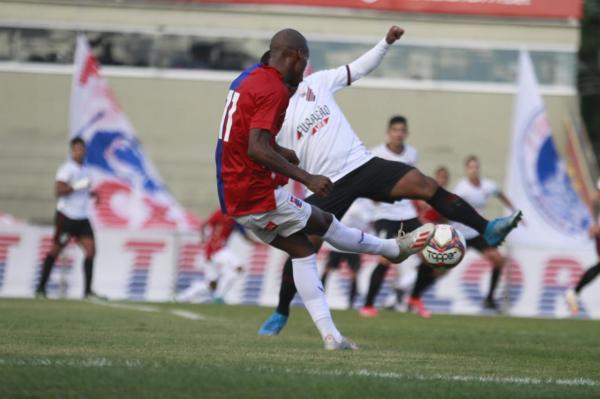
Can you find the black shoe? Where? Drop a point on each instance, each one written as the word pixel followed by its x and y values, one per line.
pixel 40 294
pixel 92 296
pixel 490 304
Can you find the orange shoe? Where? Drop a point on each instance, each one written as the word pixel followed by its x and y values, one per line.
pixel 418 306
pixel 368 311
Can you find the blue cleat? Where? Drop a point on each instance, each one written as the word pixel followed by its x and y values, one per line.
pixel 273 325
pixel 497 229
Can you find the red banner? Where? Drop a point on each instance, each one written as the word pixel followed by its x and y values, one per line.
pixel 556 9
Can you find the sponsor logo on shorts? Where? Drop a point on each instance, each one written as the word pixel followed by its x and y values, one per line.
pixel 296 202
pixel 271 226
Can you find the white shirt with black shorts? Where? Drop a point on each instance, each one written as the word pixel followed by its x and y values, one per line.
pixel 317 130
pixel 71 219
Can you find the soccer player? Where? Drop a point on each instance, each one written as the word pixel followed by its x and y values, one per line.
pixel 389 218
pixel 221 266
pixel 572 295
pixel 250 166
pixel 477 191
pixel 357 216
pixel 317 130
pixel 71 220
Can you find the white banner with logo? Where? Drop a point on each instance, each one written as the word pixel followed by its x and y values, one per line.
pixel 156 266
pixel 537 180
pixel 132 193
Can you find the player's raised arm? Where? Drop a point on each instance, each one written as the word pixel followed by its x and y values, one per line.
pixel 370 60
pixel 260 150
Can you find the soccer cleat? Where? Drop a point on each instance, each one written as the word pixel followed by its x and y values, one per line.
pixel 368 311
pixel 92 296
pixel 273 325
pixel 40 294
pixel 497 229
pixel 418 306
pixel 572 301
pixel 491 305
pixel 345 344
pixel 413 242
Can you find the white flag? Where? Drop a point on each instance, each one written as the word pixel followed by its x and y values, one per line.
pixel 132 194
pixel 537 180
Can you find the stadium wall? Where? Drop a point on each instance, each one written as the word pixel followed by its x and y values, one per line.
pixel 176 120
pixel 176 113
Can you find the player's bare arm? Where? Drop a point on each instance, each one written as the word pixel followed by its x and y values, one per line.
pixel 61 189
pixel 260 150
pixel 287 153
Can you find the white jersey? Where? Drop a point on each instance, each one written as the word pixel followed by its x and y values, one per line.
pixel 403 209
pixel 477 197
pixel 317 130
pixel 75 204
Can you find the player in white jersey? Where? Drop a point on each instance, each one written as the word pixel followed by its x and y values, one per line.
pixel 477 191
pixel 389 218
pixel 321 136
pixel 71 220
pixel 572 295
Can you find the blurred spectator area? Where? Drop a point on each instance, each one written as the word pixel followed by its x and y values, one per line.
pixel 211 50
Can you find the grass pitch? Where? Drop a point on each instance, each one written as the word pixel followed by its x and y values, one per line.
pixel 76 349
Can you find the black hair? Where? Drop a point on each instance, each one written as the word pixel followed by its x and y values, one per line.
pixel 441 169
pixel 76 140
pixel 471 158
pixel 397 119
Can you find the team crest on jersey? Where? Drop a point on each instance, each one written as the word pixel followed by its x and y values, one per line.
pixel 309 95
pixel 546 180
pixel 314 123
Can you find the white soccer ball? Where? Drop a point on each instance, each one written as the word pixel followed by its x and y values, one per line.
pixel 446 248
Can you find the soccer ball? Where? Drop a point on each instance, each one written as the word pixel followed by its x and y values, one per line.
pixel 446 248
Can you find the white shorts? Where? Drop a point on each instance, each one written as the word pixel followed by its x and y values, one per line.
pixel 223 261
pixel 290 216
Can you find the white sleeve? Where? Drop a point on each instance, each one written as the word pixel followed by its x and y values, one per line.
pixel 63 174
pixel 340 77
pixel 493 188
pixel 367 62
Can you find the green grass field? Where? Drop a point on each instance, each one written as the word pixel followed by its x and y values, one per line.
pixel 76 349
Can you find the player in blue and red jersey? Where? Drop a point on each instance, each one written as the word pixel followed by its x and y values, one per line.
pixel 250 165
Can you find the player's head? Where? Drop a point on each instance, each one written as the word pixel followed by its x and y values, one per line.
pixel 442 176
pixel 472 167
pixel 397 131
pixel 289 54
pixel 77 148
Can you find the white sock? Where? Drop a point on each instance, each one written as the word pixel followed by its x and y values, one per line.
pixel 310 289
pixel 349 239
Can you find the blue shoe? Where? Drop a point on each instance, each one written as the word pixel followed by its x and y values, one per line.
pixel 497 229
pixel 273 325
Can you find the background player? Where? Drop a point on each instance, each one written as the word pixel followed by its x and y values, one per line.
pixel 318 131
pixel 357 216
pixel 477 191
pixel 221 265
pixel 72 188
pixel 572 295
pixel 389 218
pixel 247 159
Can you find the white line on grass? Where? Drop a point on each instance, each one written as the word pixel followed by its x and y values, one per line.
pixel 187 314
pixel 133 363
pixel 141 308
pixel 439 377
